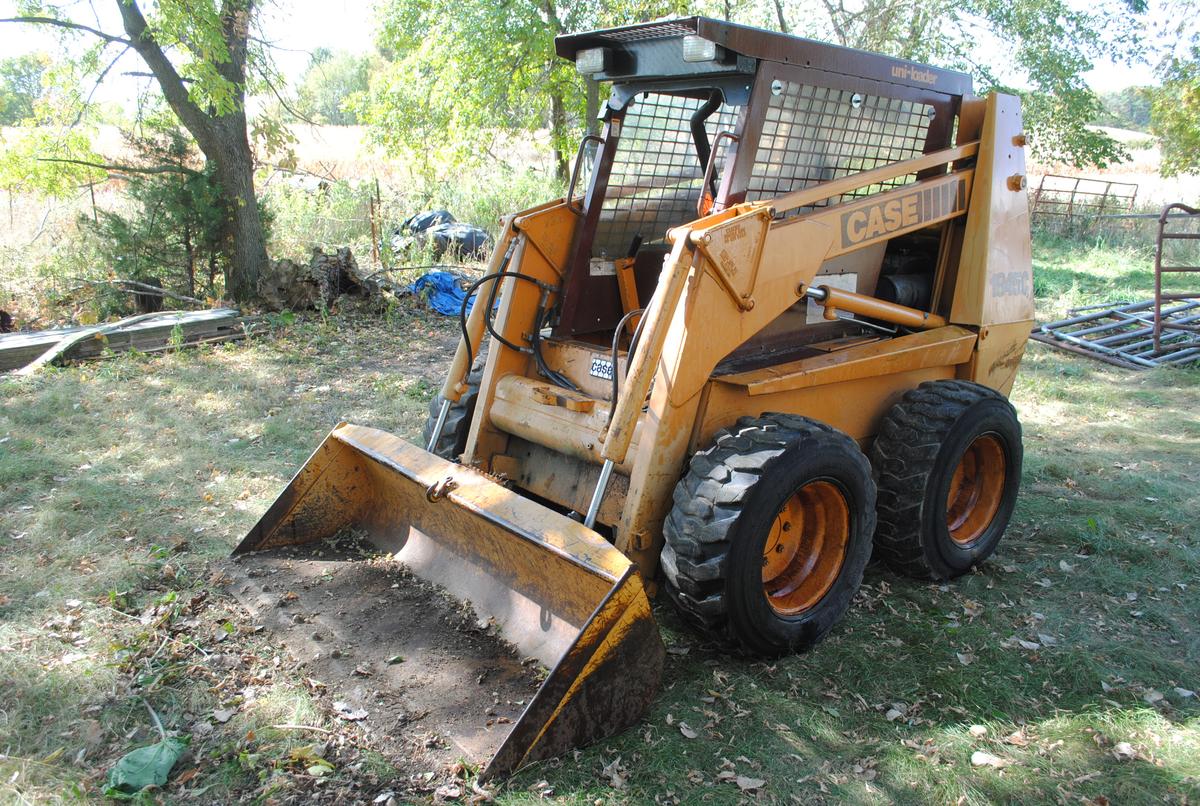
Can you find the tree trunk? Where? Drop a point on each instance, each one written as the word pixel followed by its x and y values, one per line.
pixel 247 250
pixel 558 133
pixel 780 17
pixel 593 106
pixel 221 138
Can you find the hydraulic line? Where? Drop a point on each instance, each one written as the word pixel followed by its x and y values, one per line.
pixel 616 343
pixel 535 338
pixel 462 311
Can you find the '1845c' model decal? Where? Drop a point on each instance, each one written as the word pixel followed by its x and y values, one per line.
pixel 911 209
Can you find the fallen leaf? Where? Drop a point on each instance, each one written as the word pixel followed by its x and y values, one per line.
pixel 966 658
pixel 687 731
pixel 981 759
pixel 749 784
pixel 615 773
pixel 447 792
pixel 1017 738
pixel 345 711
pixel 1065 566
pixel 1030 645
pixel 1048 640
pixel 1123 751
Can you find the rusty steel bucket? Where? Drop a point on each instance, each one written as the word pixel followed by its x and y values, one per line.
pixel 545 586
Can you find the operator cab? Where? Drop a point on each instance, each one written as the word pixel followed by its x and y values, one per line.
pixel 703 115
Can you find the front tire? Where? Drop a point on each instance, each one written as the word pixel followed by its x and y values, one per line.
pixel 770 532
pixel 948 465
pixel 453 439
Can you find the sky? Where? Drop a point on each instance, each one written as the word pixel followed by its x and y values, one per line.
pixel 297 27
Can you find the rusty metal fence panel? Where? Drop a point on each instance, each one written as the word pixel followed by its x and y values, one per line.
pixel 1068 199
pixel 1176 225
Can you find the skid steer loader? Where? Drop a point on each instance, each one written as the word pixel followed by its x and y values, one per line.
pixel 771 325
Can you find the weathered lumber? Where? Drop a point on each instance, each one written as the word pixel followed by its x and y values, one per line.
pixel 151 333
pixel 70 340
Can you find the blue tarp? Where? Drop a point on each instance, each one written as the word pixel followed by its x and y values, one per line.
pixel 442 290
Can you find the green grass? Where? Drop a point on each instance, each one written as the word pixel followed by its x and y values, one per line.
pixel 122 482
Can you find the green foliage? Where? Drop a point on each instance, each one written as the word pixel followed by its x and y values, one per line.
pixel 1126 109
pixel 1175 115
pixel 21 86
pixel 176 232
pixel 463 72
pixel 24 168
pixel 329 83
pixel 1045 44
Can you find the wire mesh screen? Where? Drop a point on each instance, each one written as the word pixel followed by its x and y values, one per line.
pixel 656 173
pixel 813 135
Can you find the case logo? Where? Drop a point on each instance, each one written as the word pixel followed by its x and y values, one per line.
pixel 909 210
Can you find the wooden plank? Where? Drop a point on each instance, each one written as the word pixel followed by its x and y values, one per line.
pixel 147 335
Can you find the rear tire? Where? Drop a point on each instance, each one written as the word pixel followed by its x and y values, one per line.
pixel 769 533
pixel 947 462
pixel 453 440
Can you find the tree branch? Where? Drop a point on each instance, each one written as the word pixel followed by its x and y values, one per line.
pixel 74 26
pixel 158 169
pixel 169 80
pixel 99 80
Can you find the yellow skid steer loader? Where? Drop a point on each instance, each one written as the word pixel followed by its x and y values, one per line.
pixel 771 326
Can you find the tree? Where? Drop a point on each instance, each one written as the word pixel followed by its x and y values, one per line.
pixel 1048 43
pixel 1126 109
pixel 177 228
pixel 462 69
pixel 330 81
pixel 199 53
pixel 1175 115
pixel 21 86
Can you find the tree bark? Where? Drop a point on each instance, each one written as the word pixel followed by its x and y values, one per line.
pixel 780 17
pixel 222 138
pixel 558 133
pixel 593 106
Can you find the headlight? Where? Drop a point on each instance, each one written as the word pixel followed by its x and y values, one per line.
pixel 698 49
pixel 591 61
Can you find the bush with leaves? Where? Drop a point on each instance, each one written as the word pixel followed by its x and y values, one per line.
pixel 175 233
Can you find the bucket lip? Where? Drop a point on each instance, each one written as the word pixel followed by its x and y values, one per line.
pixel 590 552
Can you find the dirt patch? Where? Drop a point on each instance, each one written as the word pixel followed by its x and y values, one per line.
pixel 427 682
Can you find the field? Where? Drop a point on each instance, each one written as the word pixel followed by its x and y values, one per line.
pixel 1064 670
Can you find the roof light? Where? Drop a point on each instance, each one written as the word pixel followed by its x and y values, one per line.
pixel 591 61
pixel 698 49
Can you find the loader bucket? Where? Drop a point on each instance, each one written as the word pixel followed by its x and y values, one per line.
pixel 543 585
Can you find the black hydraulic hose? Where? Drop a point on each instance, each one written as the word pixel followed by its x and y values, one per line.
pixel 633 343
pixel 558 379
pixel 462 311
pixel 616 343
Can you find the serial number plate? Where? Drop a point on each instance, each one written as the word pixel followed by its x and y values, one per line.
pixel 601 368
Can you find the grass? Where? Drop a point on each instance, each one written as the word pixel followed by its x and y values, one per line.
pixel 123 482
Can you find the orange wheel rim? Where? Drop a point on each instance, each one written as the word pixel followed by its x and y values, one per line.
pixel 976 489
pixel 806 547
